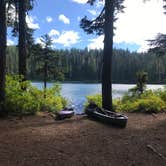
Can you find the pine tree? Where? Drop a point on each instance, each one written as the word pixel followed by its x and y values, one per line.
pixel 3 39
pixel 20 29
pixel 22 37
pixel 103 24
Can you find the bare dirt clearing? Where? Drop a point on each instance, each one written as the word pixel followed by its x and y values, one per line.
pixel 42 141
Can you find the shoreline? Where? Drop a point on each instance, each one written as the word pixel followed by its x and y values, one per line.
pixel 79 82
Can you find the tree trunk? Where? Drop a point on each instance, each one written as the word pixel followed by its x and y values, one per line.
pixel 2 52
pixel 159 69
pixel 22 38
pixel 45 78
pixel 107 56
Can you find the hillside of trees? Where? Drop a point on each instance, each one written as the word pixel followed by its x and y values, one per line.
pixel 84 65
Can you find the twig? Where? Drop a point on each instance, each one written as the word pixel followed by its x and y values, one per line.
pixel 156 152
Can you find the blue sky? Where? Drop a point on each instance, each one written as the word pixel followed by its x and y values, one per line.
pixel 60 19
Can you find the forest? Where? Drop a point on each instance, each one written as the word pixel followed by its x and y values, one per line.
pixel 85 65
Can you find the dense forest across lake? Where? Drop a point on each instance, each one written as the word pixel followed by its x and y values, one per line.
pixel 86 65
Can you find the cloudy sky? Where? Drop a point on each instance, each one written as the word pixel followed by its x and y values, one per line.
pixel 60 19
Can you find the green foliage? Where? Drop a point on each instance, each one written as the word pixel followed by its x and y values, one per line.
pixel 142 78
pixel 97 99
pixel 149 105
pixel 24 99
pixel 44 62
pixel 96 26
pixel 85 65
pixel 162 93
pixel 148 102
pixel 53 101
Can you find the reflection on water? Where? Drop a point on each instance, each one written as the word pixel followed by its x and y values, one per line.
pixel 76 93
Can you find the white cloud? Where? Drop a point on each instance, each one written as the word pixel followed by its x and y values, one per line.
pixel 64 19
pixel 93 12
pixel 98 4
pixel 67 38
pixel 10 42
pixel 80 1
pixel 78 18
pixel 38 40
pixel 96 43
pixel 49 19
pixel 140 22
pixel 54 32
pixel 30 22
pixel 12 12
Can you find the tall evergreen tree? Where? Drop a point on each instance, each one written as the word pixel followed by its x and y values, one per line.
pixel 3 34
pixel 103 24
pixel 22 37
pixel 20 29
pixel 47 43
pixel 158 45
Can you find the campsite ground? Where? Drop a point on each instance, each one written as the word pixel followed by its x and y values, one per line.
pixel 42 141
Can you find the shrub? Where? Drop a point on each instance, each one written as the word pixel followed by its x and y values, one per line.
pixel 23 99
pixel 162 93
pixel 53 101
pixel 149 105
pixel 148 102
pixel 97 99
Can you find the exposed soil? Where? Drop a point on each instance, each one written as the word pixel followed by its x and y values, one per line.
pixel 42 141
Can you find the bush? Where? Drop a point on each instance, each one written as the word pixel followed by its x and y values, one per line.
pixel 24 99
pixel 97 99
pixel 162 93
pixel 148 102
pixel 149 105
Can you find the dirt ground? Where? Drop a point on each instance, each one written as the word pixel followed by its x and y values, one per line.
pixel 42 141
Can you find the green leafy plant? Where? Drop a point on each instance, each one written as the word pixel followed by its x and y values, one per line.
pixel 97 99
pixel 24 99
pixel 162 93
pixel 140 87
pixel 147 102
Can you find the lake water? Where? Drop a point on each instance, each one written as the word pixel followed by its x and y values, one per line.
pixel 76 92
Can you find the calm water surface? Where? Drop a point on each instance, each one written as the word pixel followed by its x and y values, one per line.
pixel 76 93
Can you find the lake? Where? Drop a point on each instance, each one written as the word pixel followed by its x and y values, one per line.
pixel 76 92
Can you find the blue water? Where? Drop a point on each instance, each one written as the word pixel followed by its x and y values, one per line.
pixel 76 93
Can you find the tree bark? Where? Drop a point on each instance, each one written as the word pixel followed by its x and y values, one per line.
pixel 45 78
pixel 22 38
pixel 3 31
pixel 107 56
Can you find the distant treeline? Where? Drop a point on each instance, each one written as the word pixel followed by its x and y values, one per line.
pixel 84 65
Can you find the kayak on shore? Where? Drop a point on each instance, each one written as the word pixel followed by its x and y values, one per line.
pixel 65 113
pixel 105 116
